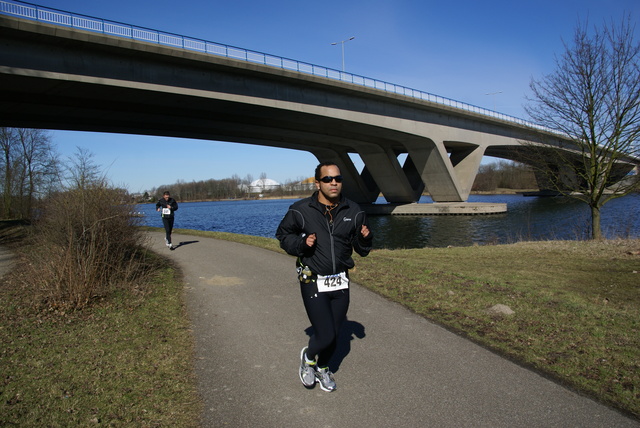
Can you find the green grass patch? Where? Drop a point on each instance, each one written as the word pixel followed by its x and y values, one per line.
pixel 125 361
pixel 256 241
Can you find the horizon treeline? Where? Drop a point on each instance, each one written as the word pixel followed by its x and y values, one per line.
pixel 504 175
pixel 496 175
pixel 226 188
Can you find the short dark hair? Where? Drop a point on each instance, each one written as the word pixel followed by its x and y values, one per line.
pixel 166 193
pixel 320 165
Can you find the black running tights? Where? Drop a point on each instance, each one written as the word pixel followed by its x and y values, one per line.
pixel 326 311
pixel 167 222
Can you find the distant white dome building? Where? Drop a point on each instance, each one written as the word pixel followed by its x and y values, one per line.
pixel 262 185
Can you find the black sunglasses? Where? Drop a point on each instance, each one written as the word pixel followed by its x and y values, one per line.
pixel 328 179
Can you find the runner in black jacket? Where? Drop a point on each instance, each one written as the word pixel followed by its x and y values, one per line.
pixel 166 206
pixel 322 231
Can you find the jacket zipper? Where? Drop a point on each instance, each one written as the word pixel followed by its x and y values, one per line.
pixel 333 254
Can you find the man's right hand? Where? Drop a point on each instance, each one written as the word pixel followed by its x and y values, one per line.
pixel 311 240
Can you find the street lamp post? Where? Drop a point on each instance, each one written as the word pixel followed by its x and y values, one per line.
pixel 342 43
pixel 493 98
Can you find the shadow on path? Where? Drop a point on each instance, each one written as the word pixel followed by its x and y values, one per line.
pixel 183 243
pixel 349 331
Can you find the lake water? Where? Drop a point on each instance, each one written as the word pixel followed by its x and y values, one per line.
pixel 527 218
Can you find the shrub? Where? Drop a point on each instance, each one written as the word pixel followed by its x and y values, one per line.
pixel 87 244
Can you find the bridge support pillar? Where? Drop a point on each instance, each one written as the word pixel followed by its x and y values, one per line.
pixel 466 162
pixel 436 171
pixel 447 178
pixel 392 179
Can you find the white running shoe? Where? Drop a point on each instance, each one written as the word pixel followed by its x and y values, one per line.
pixel 325 379
pixel 307 370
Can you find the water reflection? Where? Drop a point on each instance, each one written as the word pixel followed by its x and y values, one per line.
pixel 527 218
pixel 421 231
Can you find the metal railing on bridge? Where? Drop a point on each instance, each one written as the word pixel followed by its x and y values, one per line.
pixel 83 22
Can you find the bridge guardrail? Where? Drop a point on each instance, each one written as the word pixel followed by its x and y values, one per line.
pixel 83 22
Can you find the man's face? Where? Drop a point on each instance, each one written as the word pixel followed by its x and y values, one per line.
pixel 166 197
pixel 331 190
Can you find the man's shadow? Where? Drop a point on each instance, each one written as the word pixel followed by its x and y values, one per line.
pixel 181 243
pixel 348 332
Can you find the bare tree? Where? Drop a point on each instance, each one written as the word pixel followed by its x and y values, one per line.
pixel 30 168
pixel 8 146
pixel 593 101
pixel 40 167
pixel 248 179
pixel 263 181
pixel 82 171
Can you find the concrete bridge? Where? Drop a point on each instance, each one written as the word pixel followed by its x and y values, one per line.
pixel 62 77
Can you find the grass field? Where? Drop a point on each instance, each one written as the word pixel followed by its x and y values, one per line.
pixel 126 360
pixel 576 305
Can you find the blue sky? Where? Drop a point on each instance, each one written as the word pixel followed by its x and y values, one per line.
pixel 462 50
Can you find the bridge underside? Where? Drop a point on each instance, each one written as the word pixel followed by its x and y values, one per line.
pixel 445 169
pixel 57 78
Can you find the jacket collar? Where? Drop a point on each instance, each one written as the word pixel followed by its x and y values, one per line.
pixel 343 202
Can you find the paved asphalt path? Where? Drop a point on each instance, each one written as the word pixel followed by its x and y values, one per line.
pixel 394 369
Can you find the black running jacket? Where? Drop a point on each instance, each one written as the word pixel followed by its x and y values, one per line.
pixel 163 204
pixel 335 242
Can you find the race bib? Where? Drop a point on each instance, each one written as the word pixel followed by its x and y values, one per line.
pixel 338 281
pixel 166 211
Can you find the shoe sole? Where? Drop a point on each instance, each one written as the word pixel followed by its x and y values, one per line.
pixel 322 387
pixel 300 371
